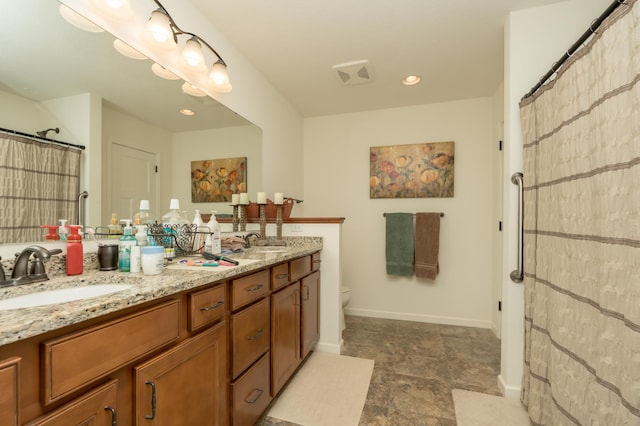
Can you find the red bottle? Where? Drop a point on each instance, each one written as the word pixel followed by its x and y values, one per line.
pixel 75 253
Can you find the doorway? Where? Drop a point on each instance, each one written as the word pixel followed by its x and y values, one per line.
pixel 133 178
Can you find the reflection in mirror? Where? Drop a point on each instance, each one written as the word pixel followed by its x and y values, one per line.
pixel 51 75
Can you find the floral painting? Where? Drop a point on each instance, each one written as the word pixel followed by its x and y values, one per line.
pixel 411 171
pixel 216 180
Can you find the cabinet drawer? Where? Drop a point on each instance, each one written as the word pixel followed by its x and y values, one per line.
pixel 206 307
pixel 77 359
pixel 9 392
pixel 97 407
pixel 247 289
pixel 298 268
pixel 250 336
pixel 279 276
pixel 315 261
pixel 250 393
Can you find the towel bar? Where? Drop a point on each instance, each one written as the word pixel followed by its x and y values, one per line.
pixel 441 214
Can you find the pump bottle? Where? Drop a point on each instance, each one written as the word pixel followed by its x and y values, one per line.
pixel 74 250
pixel 214 228
pixel 62 229
pixel 124 247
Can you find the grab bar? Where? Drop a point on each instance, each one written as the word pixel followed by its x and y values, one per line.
pixel 518 274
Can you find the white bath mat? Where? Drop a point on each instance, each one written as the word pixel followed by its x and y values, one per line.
pixel 481 409
pixel 328 390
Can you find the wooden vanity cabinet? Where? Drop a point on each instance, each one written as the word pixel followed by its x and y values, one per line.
pixel 285 335
pixel 96 408
pixel 310 312
pixel 185 385
pixel 10 392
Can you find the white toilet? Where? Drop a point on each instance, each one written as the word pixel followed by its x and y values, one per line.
pixel 346 295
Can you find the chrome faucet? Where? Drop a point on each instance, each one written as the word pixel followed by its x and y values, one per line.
pixel 26 271
pixel 248 235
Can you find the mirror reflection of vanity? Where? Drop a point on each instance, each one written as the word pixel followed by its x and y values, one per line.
pixel 55 75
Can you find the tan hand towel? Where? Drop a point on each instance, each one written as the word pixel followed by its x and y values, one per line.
pixel 427 245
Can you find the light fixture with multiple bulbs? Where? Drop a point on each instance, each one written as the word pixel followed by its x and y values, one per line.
pixel 161 35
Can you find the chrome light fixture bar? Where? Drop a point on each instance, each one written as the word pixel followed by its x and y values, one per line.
pixel 158 36
pixel 162 31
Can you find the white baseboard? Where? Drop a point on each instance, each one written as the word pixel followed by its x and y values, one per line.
pixel 511 392
pixel 466 322
pixel 327 347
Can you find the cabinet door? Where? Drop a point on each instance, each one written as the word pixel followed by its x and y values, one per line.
pixel 285 335
pixel 310 288
pixel 95 408
pixel 9 392
pixel 186 385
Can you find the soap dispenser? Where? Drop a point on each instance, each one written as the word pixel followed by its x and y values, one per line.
pixel 146 217
pixel 75 253
pixel 214 228
pixel 124 247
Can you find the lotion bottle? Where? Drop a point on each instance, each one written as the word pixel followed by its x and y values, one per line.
pixel 214 228
pixel 124 248
pixel 75 253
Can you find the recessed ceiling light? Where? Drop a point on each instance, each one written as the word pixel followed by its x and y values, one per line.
pixel 410 80
pixel 185 111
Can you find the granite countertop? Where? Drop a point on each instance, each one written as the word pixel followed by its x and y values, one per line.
pixel 20 324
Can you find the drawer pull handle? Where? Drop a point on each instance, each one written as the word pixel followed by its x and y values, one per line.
pixel 256 287
pixel 153 400
pixel 255 336
pixel 114 417
pixel 215 305
pixel 306 296
pixel 259 393
pixel 317 261
pixel 282 276
pixel 296 297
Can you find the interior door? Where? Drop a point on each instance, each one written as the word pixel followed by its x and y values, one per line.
pixel 133 178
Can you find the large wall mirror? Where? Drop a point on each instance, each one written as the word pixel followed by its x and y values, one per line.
pixel 45 59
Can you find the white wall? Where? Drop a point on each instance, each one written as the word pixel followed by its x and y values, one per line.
pixel 123 129
pixel 534 40
pixel 336 177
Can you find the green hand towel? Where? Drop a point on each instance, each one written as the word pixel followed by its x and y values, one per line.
pixel 400 244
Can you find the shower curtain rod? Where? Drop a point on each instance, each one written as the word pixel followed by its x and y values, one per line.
pixel 592 29
pixel 39 138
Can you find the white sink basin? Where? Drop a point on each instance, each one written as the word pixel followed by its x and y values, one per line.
pixel 68 294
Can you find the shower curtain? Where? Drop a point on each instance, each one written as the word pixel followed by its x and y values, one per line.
pixel 39 184
pixel 582 234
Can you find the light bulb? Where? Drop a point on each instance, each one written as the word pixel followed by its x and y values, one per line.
pixel 157 30
pixel 192 55
pixel 219 75
pixel 119 10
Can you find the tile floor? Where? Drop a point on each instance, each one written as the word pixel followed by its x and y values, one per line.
pixel 417 365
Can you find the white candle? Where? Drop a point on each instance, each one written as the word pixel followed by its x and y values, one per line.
pixel 278 198
pixel 235 199
pixel 244 198
pixel 262 198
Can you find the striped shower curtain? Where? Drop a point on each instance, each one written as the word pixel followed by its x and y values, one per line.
pixel 39 184
pixel 582 234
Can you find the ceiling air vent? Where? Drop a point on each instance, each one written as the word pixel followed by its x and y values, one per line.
pixel 351 73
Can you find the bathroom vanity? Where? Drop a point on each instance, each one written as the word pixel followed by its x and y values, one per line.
pixel 194 345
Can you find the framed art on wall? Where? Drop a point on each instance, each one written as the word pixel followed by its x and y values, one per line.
pixel 216 180
pixel 412 171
